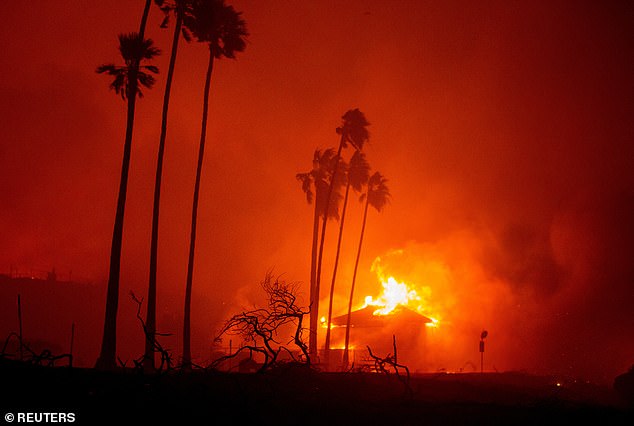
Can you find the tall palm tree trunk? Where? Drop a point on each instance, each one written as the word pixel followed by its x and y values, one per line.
pixel 314 297
pixel 108 354
pixel 354 279
pixel 150 321
pixel 313 254
pixel 187 357
pixel 334 275
pixel 107 358
pixel 146 12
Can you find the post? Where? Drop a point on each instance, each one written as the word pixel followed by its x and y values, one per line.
pixel 483 335
pixel 481 356
pixel 20 327
pixel 230 352
pixel 72 343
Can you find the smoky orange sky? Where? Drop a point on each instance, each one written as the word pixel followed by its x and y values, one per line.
pixel 504 128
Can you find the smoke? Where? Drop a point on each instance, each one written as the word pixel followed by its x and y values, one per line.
pixel 504 131
pixel 555 298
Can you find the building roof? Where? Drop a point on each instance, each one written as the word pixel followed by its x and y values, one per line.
pixel 365 317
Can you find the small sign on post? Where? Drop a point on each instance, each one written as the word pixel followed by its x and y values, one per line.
pixel 483 336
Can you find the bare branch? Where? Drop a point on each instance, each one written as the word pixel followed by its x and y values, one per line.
pixel 391 362
pixel 260 327
pixel 166 356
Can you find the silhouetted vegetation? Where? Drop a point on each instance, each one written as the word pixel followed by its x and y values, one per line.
pixel 353 131
pixel 292 396
pixel 390 362
pixel 151 338
pixel 261 329
pixel 24 353
pixel 222 28
pixel 224 31
pixel 179 8
pixel 134 49
pixel 316 186
pixel 357 175
pixel 377 195
pixel 292 385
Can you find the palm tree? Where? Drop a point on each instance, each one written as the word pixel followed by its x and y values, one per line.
pixel 179 8
pixel 223 29
pixel 134 49
pixel 377 196
pixel 315 185
pixel 146 12
pixel 358 173
pixel 353 131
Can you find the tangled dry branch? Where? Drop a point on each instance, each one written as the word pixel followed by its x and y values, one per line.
pixel 260 328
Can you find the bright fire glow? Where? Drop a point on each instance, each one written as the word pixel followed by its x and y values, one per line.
pixel 399 293
pixel 394 294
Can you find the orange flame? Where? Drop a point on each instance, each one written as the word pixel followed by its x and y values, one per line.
pixel 399 294
pixel 394 294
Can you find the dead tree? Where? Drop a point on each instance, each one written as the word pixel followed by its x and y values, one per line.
pixel 166 356
pixel 260 328
pixel 384 365
pixel 26 354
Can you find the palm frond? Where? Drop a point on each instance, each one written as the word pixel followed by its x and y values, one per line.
pixel 134 51
pixel 316 182
pixel 333 206
pixel 187 34
pixel 219 25
pixel 120 85
pixel 132 48
pixel 378 192
pixel 110 69
pixel 146 80
pixel 354 128
pixel 151 68
pixel 326 160
pixel 307 180
pixel 165 21
pixel 358 171
pixel 341 177
pixel 148 51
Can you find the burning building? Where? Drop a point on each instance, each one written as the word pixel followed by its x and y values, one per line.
pixel 394 313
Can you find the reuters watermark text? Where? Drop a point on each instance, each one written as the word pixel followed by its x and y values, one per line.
pixel 40 417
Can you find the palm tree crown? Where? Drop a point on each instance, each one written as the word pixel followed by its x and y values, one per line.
pixel 182 9
pixel 134 51
pixel 353 129
pixel 219 25
pixel 319 179
pixel 378 193
pixel 358 171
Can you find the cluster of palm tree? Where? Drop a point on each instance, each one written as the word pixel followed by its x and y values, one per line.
pixel 323 185
pixel 222 28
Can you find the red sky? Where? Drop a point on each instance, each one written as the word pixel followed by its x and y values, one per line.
pixel 505 130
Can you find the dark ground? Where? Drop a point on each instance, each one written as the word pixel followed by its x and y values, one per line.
pixel 297 396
